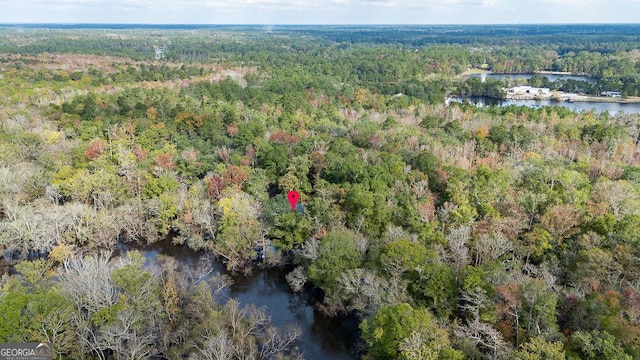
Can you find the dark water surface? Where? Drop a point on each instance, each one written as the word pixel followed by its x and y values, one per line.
pixel 323 338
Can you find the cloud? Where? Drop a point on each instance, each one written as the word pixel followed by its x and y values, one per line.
pixel 284 4
pixel 568 2
pixel 320 11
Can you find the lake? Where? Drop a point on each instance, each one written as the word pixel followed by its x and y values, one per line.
pixel 322 338
pixel 525 77
pixel 612 108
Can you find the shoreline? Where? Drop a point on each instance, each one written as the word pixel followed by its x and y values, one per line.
pixel 568 98
pixel 601 99
pixel 476 71
pixel 568 73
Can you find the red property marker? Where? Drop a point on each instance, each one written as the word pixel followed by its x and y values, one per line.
pixel 293 197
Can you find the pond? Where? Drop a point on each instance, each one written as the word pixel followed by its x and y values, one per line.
pixel 322 338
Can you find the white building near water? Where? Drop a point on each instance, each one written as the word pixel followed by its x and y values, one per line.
pixel 529 90
pixel 615 94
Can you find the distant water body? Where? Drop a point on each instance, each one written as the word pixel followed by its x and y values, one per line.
pixel 525 77
pixel 612 108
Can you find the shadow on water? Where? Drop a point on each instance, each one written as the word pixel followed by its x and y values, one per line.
pixel 10 257
pixel 322 337
pixel 182 254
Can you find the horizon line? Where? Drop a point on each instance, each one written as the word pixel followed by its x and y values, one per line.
pixel 318 24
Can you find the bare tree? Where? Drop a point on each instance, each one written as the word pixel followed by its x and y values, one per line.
pixel 31 227
pixel 132 329
pixel 130 220
pixel 53 194
pixel 365 291
pixel 126 339
pixel 458 238
pixel 204 215
pixel 490 247
pixel 87 282
pixel 561 221
pixel 245 323
pixel 420 188
pixel 473 301
pixel 215 347
pixel 275 341
pixel 201 271
pixel 310 250
pixel 88 334
pixel 485 337
pixel 620 195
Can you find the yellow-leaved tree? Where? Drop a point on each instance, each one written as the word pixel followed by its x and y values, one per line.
pixel 239 231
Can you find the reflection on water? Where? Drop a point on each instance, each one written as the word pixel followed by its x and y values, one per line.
pixel 323 338
pixel 612 108
pixel 525 77
pixel 182 254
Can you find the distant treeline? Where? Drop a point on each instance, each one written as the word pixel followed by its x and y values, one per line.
pixel 453 232
pixel 382 55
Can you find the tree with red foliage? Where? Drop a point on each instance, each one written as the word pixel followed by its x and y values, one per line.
pixel 96 148
pixel 215 185
pixel 165 161
pixel 235 176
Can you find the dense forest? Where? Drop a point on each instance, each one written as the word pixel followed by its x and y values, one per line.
pixel 449 231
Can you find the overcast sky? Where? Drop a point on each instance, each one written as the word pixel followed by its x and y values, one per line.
pixel 320 11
